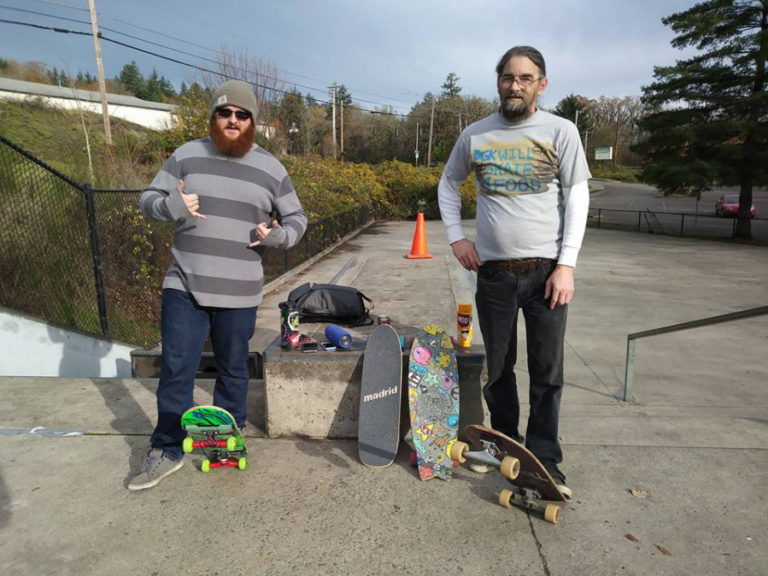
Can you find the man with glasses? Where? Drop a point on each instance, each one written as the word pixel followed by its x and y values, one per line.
pixel 220 192
pixel 532 201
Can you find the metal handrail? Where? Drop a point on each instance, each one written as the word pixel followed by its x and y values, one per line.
pixel 631 338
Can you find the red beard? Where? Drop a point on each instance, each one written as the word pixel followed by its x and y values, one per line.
pixel 236 148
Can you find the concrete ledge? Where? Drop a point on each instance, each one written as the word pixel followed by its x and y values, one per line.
pixel 318 395
pixel 149 364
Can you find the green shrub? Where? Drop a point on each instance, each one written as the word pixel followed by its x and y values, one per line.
pixel 614 172
pixel 327 187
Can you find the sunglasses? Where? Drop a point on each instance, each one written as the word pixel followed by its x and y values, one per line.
pixel 226 113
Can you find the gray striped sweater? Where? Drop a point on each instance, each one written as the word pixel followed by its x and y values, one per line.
pixel 211 258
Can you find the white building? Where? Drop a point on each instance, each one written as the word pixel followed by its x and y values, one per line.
pixel 153 115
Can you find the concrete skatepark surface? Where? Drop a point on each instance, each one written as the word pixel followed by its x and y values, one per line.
pixel 670 484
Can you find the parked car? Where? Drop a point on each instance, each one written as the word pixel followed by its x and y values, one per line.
pixel 728 205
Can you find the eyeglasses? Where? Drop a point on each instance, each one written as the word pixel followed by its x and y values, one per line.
pixel 227 112
pixel 507 80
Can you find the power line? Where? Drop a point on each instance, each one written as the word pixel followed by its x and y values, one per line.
pixel 62 5
pixel 186 64
pixel 181 51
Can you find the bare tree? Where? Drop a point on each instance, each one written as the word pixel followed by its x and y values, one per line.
pixel 261 74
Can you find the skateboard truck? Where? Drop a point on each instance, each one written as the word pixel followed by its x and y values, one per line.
pixel 490 455
pixel 526 498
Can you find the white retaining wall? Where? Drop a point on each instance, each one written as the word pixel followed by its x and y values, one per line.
pixel 30 347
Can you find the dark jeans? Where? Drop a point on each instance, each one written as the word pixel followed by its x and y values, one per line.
pixel 185 325
pixel 500 294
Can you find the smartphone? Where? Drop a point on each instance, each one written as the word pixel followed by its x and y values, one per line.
pixel 328 346
pixel 309 347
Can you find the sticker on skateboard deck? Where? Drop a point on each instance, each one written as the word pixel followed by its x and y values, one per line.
pixel 529 480
pixel 215 432
pixel 380 398
pixel 433 400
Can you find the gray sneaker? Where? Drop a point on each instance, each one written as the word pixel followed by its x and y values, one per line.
pixel 155 468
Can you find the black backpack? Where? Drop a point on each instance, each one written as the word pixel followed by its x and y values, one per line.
pixel 329 303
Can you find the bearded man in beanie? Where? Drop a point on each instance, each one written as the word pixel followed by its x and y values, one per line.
pixel 220 192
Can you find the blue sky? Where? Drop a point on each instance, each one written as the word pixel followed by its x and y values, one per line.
pixel 385 52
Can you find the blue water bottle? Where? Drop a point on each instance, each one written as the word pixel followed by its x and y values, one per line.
pixel 340 337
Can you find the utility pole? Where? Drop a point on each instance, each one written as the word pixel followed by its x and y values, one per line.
pixel 431 125
pixel 586 142
pixel 102 83
pixel 341 109
pixel 333 116
pixel 616 142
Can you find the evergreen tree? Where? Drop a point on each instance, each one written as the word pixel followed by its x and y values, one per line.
pixel 131 79
pixel 166 88
pixel 451 85
pixel 578 110
pixel 709 113
pixel 292 116
pixel 151 89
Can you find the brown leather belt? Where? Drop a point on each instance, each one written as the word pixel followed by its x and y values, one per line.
pixel 518 264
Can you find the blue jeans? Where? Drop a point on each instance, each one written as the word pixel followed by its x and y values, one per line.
pixel 185 326
pixel 500 294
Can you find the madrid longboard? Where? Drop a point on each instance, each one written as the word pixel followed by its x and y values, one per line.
pixel 214 431
pixel 433 401
pixel 380 398
pixel 529 480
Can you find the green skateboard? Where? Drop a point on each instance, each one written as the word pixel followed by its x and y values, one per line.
pixel 215 431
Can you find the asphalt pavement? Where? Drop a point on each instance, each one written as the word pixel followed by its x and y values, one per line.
pixel 670 484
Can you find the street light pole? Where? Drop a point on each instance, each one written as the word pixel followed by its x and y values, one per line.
pixel 292 131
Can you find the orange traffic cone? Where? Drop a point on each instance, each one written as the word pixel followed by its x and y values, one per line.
pixel 419 247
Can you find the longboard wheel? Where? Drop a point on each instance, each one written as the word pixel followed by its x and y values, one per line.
pixel 242 464
pixel 505 498
pixel 510 467
pixel 552 513
pixel 231 443
pixel 188 444
pixel 205 466
pixel 458 450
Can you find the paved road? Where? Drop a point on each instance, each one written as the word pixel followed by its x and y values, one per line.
pixel 627 196
pixel 699 217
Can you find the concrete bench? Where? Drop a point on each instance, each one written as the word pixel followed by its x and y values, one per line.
pixel 318 394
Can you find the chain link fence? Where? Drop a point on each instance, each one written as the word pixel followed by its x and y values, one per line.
pixel 87 259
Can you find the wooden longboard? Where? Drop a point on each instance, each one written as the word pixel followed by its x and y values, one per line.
pixel 530 480
pixel 380 397
pixel 433 400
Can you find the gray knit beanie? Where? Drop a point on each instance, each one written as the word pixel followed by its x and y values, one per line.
pixel 235 93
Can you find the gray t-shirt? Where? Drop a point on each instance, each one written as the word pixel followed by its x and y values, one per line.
pixel 521 170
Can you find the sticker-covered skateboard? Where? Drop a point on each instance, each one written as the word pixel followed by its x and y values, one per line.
pixel 215 432
pixel 433 401
pixel 529 480
pixel 380 398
